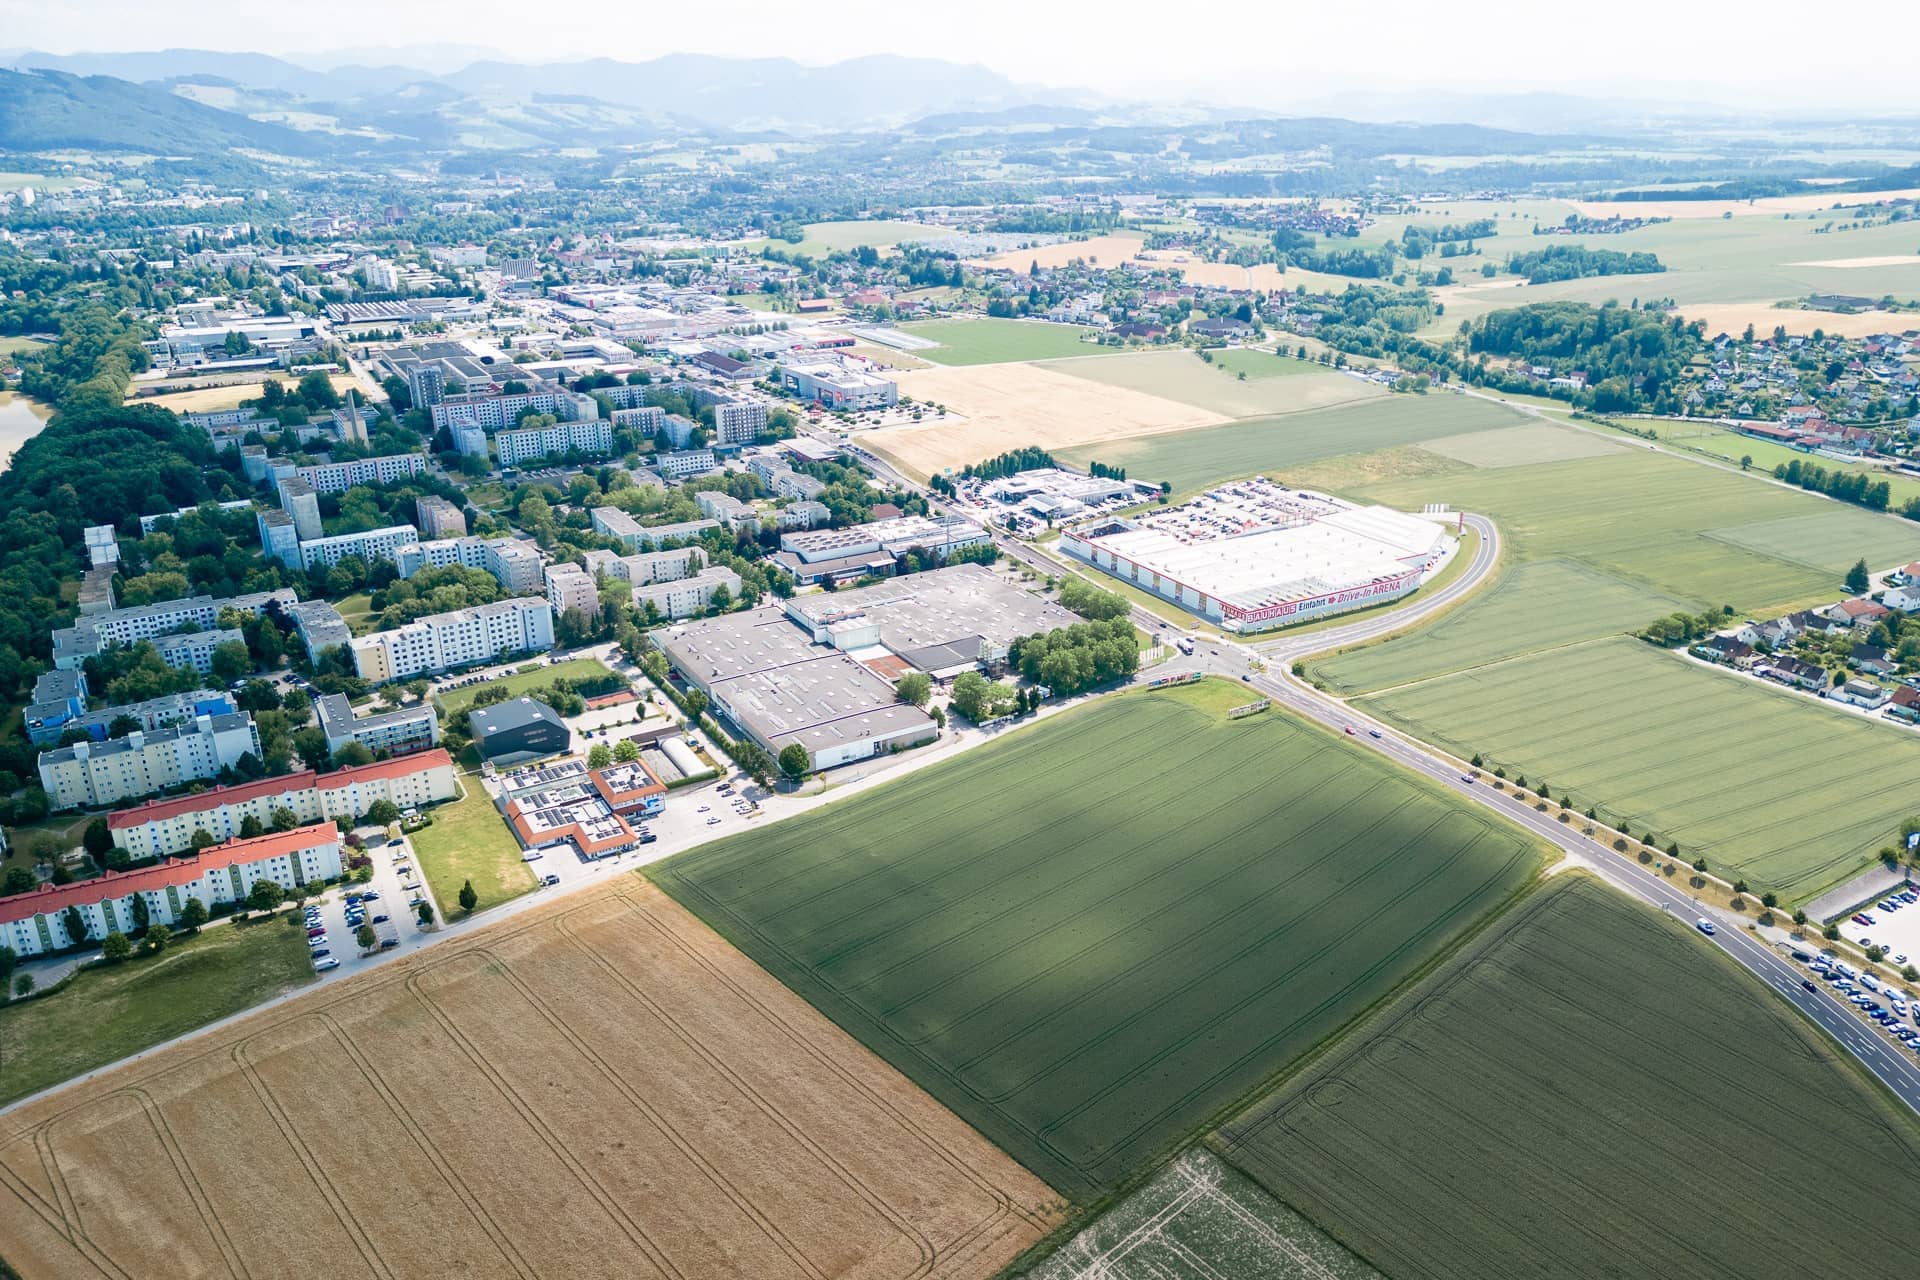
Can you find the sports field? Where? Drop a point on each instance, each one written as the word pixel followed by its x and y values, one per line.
pixel 1192 460
pixel 1282 386
pixel 1791 795
pixel 601 1087
pixel 992 341
pixel 1200 1217
pixel 1091 936
pixel 1589 1090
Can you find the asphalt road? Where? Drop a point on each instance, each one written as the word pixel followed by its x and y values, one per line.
pixel 1897 1068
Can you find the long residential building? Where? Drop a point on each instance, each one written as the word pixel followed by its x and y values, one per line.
pixel 393 733
pixel 612 522
pixel 36 923
pixel 514 564
pixel 49 721
pixel 526 444
pixel 162 827
pixel 91 774
pixel 646 567
pixel 370 545
pixel 439 518
pixel 684 597
pixel 460 638
pixel 338 477
pixel 94 632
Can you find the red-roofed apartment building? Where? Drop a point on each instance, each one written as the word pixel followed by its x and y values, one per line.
pixel 161 827
pixel 35 923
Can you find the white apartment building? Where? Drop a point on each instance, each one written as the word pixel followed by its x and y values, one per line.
pixel 438 518
pixel 492 412
pixel 514 564
pixel 685 462
pixel 36 923
pixel 440 641
pixel 738 421
pixel 372 545
pixel 395 732
pixel 729 510
pixel 278 537
pixel 687 596
pixel 646 418
pixel 162 827
pixel 90 774
pixel 612 522
pixel 338 477
pixel 803 515
pixel 94 632
pixel 647 567
pixel 525 444
pixel 571 588
pixel 299 500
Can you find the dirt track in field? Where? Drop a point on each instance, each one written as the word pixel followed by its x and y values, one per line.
pixel 602 1088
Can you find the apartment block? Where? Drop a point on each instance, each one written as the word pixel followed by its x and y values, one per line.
pixel 301 501
pixel 646 567
pixel 36 923
pixel 685 462
pixel 338 477
pixel 162 827
pixel 47 721
pixel 461 638
pixel 89 774
pixel 514 564
pixel 372 545
pixel 738 421
pixel 393 733
pixel 571 588
pixel 527 444
pixel 687 596
pixel 438 518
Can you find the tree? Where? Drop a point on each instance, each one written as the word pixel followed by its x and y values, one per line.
pixel 138 909
pixel 1857 578
pixel 423 911
pixel 914 688
pixel 231 661
pixel 75 925
pixel 969 693
pixel 284 819
pixel 158 939
pixel 352 755
pixel 626 751
pixel 9 959
pixel 98 837
pixel 201 839
pixel 696 703
pixel 22 986
pixel 794 761
pixel 1831 933
pixel 365 938
pixel 250 827
pixel 115 947
pixel 265 895
pixel 383 812
pixel 600 756
pixel 193 915
pixel 1799 917
pixel 468 898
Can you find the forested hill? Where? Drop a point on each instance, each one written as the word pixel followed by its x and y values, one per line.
pixel 50 110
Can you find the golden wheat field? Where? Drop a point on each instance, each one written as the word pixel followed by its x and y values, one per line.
pixel 603 1087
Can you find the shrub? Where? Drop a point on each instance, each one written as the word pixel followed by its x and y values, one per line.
pixel 1645 857
pixel 1740 886
pixel 1799 917
pixel 1831 933
pixel 1738 903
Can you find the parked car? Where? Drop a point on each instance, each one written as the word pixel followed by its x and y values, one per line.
pixel 322 954
pixel 321 966
pixel 550 881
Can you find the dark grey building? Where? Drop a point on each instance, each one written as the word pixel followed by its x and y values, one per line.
pixel 522 729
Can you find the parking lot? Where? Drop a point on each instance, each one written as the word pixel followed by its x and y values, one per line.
pixel 1880 1003
pixel 1897 930
pixel 393 870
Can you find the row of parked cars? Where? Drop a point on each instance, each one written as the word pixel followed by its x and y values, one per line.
pixel 1864 992
pixel 1887 906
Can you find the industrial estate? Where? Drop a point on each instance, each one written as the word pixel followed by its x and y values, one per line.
pixel 729 668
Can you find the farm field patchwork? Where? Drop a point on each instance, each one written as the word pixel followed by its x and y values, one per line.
pixel 1192 460
pixel 1288 385
pixel 1660 742
pixel 827 237
pixel 1091 936
pixel 993 341
pixel 1555 1101
pixel 602 1088
pixel 103 1014
pixel 1540 604
pixel 1098 250
pixel 1200 1217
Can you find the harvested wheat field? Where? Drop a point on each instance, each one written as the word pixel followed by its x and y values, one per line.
pixel 1808 202
pixel 1009 406
pixel 1105 251
pixel 1879 260
pixel 599 1088
pixel 1734 317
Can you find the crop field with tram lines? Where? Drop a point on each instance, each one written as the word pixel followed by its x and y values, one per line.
pixel 598 1088
pixel 1092 937
pixel 1574 1095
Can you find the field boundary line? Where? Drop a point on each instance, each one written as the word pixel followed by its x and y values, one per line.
pixel 202 1202
pixel 57 1221
pixel 315 1170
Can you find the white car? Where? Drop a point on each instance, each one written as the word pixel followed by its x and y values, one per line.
pixel 714 821
pixel 321 966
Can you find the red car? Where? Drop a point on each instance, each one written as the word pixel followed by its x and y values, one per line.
pixel 1350 732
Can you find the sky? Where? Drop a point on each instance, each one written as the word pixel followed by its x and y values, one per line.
pixel 1268 53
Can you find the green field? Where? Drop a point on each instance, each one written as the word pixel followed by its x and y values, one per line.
pixel 469 840
pixel 827 237
pixel 1288 385
pixel 1522 446
pixel 1192 460
pixel 1092 936
pixel 518 683
pixel 1200 1217
pixel 1540 604
pixel 104 1014
pixel 1765 784
pixel 1589 1090
pixel 990 341
pixel 1723 445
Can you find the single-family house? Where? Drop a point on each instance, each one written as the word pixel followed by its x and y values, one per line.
pixel 1905 703
pixel 1803 675
pixel 1872 659
pixel 1856 612
pixel 1861 693
pixel 1904 598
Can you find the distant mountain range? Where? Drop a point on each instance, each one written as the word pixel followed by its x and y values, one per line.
pixel 51 110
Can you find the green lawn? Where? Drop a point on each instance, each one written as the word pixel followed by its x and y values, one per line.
pixel 1193 460
pixel 518 683
pixel 992 341
pixel 105 1014
pixel 1767 785
pixel 826 237
pixel 470 840
pixel 1589 1090
pixel 356 611
pixel 1093 935
pixel 11 344
pixel 1274 385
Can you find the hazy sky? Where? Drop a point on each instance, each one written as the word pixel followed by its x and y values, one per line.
pixel 1765 52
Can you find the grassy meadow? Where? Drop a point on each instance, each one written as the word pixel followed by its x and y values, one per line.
pixel 1588 1090
pixel 469 840
pixel 1273 385
pixel 992 341
pixel 1090 937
